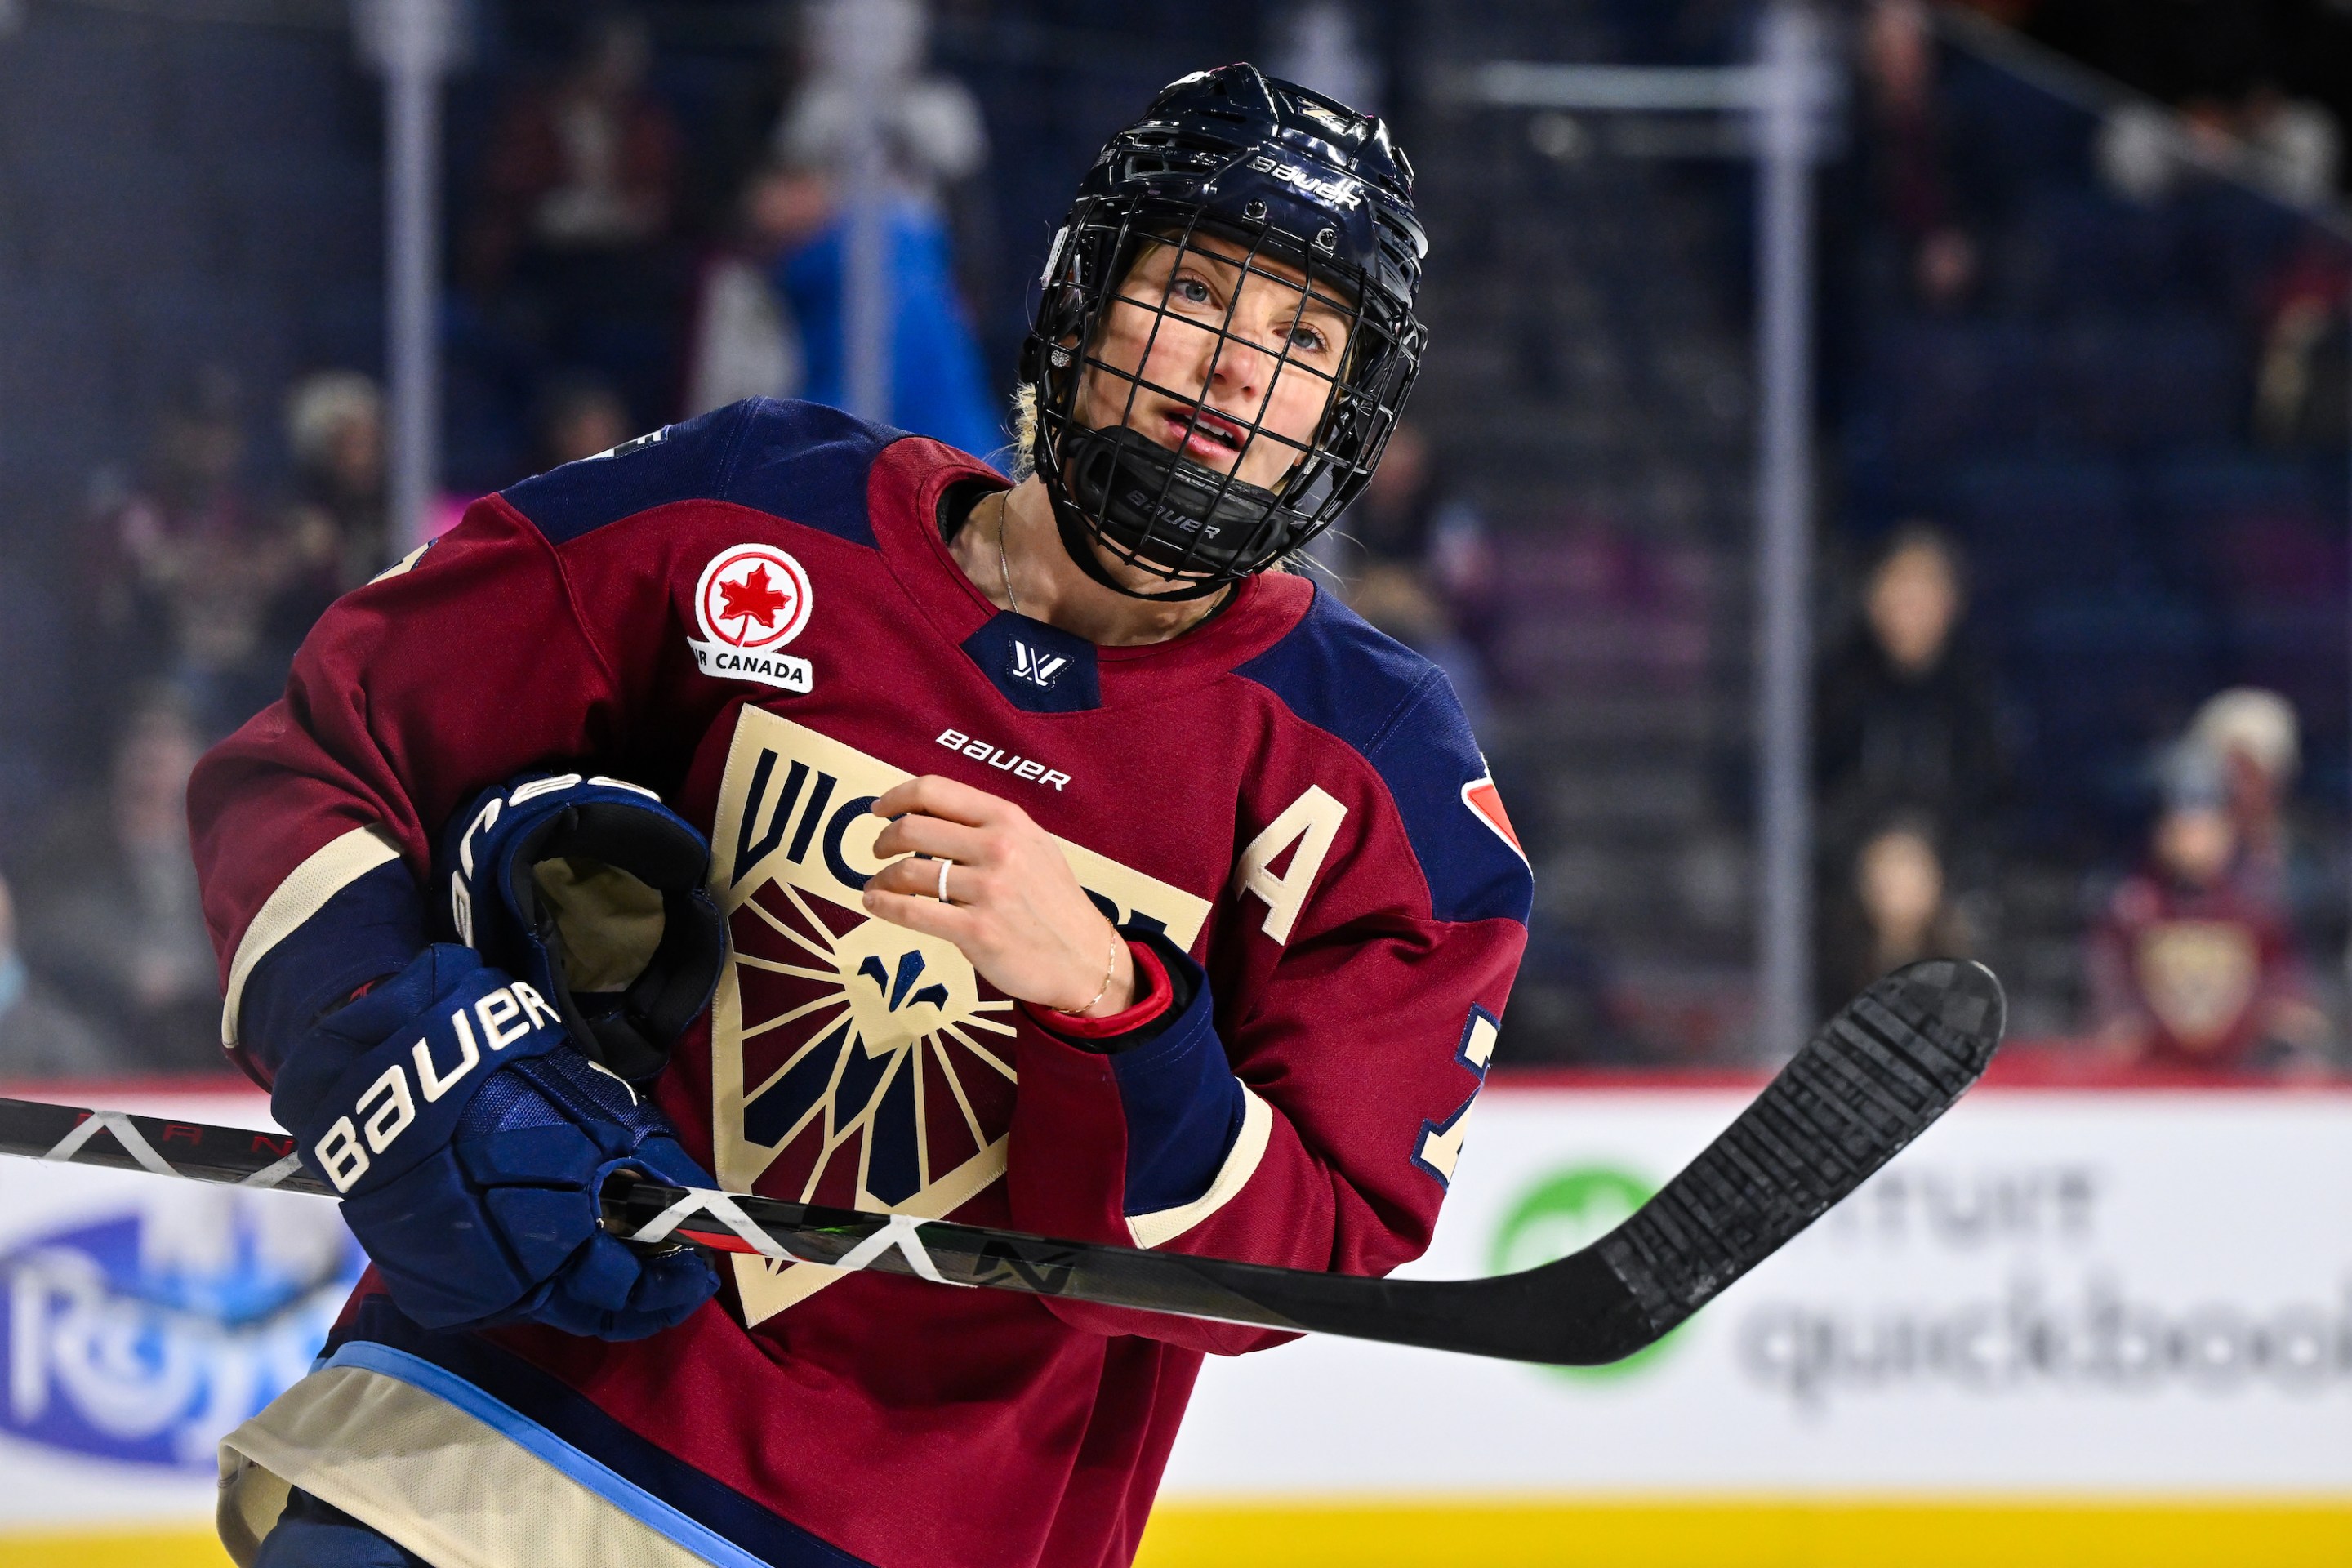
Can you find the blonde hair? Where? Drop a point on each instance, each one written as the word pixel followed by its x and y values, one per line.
pixel 1024 431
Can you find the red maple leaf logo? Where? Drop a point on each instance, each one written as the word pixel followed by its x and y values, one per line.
pixel 754 598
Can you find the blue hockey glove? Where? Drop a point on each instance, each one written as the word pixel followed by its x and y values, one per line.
pixel 591 891
pixel 469 1141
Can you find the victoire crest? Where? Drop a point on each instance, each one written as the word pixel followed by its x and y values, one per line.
pixel 853 1062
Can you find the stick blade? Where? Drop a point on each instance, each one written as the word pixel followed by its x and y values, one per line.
pixel 1878 1075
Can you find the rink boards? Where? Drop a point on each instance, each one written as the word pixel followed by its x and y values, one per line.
pixel 2066 1325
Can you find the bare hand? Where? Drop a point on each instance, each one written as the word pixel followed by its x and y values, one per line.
pixel 1015 909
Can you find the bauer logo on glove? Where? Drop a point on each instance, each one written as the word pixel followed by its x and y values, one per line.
pixel 386 1108
pixel 474 1185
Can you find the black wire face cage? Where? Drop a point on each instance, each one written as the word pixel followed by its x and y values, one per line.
pixel 1114 481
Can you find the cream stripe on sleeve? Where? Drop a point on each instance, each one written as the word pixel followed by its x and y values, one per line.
pixel 1241 1164
pixel 329 870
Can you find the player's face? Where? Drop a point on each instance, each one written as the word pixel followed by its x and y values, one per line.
pixel 1212 347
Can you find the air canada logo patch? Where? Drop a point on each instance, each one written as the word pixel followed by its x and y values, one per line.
pixel 752 600
pixel 853 1062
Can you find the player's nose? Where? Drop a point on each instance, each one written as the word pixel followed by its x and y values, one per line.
pixel 1237 368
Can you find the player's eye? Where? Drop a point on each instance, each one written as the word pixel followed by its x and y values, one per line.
pixel 1190 290
pixel 1309 340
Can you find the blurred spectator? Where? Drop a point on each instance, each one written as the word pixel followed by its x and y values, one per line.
pixel 335 523
pixel 1415 561
pixel 570 247
pixel 932 136
pixel 2241 76
pixel 2188 967
pixel 2300 387
pixel 187 570
pixel 1894 911
pixel 1910 153
pixel 111 913
pixel 578 417
pixel 2287 147
pixel 40 1037
pixel 2251 740
pixel 744 341
pixel 866 69
pixel 1907 719
pixel 334 428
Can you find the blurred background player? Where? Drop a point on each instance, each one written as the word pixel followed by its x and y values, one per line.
pixel 867 57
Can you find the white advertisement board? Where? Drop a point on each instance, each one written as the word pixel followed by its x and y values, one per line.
pixel 140 1319
pixel 2052 1294
pixel 2134 1292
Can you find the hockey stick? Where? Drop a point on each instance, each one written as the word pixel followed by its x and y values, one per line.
pixel 1876 1076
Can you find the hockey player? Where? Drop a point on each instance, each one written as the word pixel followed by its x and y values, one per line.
pixel 1081 872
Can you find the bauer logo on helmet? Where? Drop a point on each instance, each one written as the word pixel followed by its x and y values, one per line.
pixel 1345 194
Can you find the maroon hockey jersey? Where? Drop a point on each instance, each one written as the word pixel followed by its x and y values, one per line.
pixel 755 614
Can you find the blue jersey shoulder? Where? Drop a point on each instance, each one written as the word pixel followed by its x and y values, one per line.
pixel 1400 714
pixel 802 461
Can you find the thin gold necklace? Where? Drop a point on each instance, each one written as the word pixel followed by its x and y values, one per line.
pixel 1004 570
pixel 1004 565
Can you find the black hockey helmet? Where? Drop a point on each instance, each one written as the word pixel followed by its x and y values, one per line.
pixel 1300 189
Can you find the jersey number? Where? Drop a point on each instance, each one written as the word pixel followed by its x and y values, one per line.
pixel 1439 1147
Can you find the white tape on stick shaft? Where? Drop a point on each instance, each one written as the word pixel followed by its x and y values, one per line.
pixel 719 1206
pixel 899 1233
pixel 133 1142
pixel 903 1231
pixel 270 1175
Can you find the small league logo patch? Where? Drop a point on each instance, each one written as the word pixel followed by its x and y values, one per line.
pixel 1036 666
pixel 1486 804
pixel 751 601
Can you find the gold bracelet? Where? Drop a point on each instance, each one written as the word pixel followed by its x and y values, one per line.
pixel 1109 968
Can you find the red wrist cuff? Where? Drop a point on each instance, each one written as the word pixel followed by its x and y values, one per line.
pixel 1154 995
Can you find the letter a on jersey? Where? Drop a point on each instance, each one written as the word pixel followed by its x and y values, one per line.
pixel 1312 823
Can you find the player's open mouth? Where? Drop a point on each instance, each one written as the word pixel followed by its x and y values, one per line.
pixel 1203 436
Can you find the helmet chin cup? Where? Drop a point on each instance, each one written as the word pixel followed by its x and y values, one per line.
pixel 1166 512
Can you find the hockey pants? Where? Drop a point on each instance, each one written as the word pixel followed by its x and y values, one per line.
pixel 311 1534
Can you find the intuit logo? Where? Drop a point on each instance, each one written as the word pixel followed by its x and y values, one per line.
pixel 1567 1212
